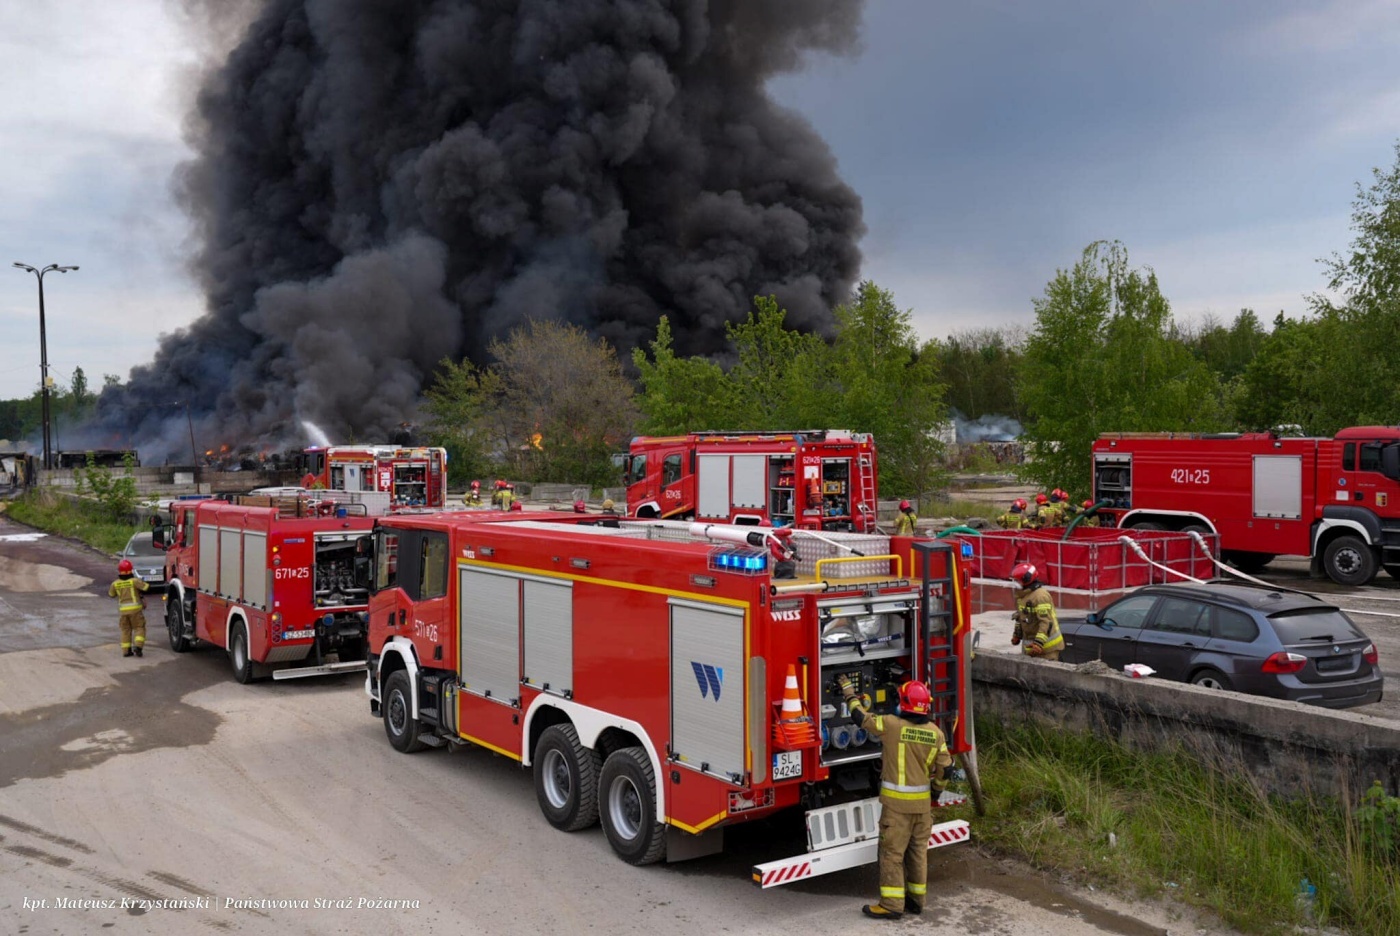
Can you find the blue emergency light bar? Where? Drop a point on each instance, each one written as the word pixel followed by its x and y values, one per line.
pixel 743 561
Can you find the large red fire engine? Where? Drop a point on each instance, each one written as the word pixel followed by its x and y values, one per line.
pixel 1266 495
pixel 821 480
pixel 271 580
pixel 668 679
pixel 412 476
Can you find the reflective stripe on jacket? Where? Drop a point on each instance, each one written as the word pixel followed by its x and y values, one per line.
pixel 127 591
pixel 913 752
pixel 1034 605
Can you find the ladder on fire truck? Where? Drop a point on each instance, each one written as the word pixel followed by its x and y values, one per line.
pixel 947 674
pixel 865 481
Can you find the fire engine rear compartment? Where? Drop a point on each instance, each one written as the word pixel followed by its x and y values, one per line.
pixel 638 644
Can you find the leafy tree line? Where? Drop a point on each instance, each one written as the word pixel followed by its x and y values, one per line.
pixel 1104 355
pixel 68 406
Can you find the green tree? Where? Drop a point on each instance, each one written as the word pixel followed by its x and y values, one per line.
pixel 116 494
pixel 456 404
pixel 680 394
pixel 979 367
pixel 1101 358
pixel 779 374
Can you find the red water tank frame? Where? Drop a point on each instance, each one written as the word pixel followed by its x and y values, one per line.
pixel 1335 500
pixel 824 479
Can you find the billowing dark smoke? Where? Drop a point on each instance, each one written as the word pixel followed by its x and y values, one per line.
pixel 379 185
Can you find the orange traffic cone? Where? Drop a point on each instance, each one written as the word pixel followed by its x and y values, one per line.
pixel 793 728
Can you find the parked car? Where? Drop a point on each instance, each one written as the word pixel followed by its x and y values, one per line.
pixel 147 561
pixel 1265 641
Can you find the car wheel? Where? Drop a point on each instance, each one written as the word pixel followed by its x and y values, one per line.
pixel 399 723
pixel 566 779
pixel 1349 561
pixel 628 809
pixel 238 654
pixel 175 624
pixel 1211 679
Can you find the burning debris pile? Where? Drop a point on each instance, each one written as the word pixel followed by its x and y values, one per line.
pixel 377 186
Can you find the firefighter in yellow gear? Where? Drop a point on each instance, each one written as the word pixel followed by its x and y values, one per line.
pixel 1015 518
pixel 127 589
pixel 915 756
pixel 905 520
pixel 1090 520
pixel 1037 629
pixel 473 497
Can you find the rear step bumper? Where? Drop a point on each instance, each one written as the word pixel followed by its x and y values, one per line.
pixel 848 836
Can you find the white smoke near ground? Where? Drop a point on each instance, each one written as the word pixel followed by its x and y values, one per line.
pixel 986 428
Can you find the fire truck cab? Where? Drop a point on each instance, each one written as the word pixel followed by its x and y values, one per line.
pixel 668 679
pixel 271 580
pixel 411 476
pixel 1335 500
pixel 821 479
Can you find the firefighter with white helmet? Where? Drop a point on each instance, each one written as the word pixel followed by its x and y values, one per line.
pixel 131 606
pixel 904 522
pixel 915 756
pixel 1037 629
pixel 1015 518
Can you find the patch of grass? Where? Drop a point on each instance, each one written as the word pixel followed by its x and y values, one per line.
pixel 84 521
pixel 952 507
pixel 1183 828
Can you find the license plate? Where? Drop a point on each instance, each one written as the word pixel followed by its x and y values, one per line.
pixel 787 765
pixel 298 635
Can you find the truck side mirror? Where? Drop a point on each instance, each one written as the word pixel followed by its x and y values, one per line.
pixel 364 562
pixel 1390 461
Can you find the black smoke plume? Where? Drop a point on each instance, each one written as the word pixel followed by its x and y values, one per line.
pixel 380 184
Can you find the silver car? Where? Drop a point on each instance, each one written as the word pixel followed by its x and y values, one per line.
pixel 147 561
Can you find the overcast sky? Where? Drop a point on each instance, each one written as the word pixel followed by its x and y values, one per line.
pixel 990 142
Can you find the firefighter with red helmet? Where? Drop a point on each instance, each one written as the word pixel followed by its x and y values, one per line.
pixel 1047 512
pixel 1015 518
pixel 127 589
pixel 904 522
pixel 1037 629
pixel 1090 519
pixel 915 756
pixel 580 507
pixel 473 497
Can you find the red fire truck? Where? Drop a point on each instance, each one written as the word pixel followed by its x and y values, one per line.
pixel 1266 495
pixel 272 580
pixel 665 678
pixel 412 476
pixel 821 480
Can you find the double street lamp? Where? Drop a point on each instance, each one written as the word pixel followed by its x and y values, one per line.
pixel 44 352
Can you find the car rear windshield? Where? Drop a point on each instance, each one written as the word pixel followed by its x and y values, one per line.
pixel 142 548
pixel 1306 624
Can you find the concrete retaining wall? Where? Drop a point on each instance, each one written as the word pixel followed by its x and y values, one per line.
pixel 1288 748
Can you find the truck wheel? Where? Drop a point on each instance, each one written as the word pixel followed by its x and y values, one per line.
pixel 399 723
pixel 1349 561
pixel 238 653
pixel 628 808
pixel 175 624
pixel 566 779
pixel 1147 525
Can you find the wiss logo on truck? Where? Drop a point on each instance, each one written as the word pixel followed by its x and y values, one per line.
pixel 668 679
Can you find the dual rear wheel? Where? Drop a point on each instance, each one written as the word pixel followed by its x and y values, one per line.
pixel 576 787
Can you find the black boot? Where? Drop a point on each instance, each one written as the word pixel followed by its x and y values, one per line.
pixel 138 651
pixel 126 652
pixel 912 908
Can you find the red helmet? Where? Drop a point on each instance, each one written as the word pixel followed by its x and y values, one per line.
pixel 124 567
pixel 500 484
pixel 915 698
pixel 1018 505
pixel 905 505
pixel 1059 495
pixel 580 507
pixel 1087 504
pixel 517 506
pixel 1041 499
pixel 476 485
pixel 1023 574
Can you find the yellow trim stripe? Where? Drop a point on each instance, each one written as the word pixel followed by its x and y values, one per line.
pixel 611 583
pixel 490 747
pixel 697 829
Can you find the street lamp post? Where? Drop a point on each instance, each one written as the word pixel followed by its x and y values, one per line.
pixel 44 353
